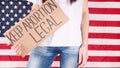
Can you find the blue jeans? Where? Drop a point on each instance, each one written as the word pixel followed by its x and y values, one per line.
pixel 43 56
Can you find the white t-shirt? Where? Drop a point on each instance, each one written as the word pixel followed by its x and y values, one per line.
pixel 69 34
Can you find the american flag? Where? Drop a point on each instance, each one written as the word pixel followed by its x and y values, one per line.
pixel 104 36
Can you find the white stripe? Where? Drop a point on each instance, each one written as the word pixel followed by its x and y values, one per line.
pixel 8 52
pixel 4 40
pixel 104 41
pixel 97 29
pixel 13 63
pixel 103 53
pixel 102 64
pixel 91 53
pixel 19 64
pixel 105 17
pixel 104 4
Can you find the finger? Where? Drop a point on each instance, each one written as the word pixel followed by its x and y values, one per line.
pixel 12 47
pixel 18 51
pixel 16 46
pixel 9 43
pixel 80 58
pixel 83 63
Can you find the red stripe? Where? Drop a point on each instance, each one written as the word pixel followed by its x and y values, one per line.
pixel 103 47
pixel 104 59
pixel 104 35
pixel 105 0
pixel 13 58
pixel 104 10
pixel 104 23
pixel 96 58
pixel 18 58
pixel 5 46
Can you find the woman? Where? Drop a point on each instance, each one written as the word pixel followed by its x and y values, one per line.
pixel 70 41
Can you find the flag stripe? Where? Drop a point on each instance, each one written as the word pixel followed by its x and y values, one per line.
pixel 104 10
pixel 90 59
pixel 103 64
pixel 104 41
pixel 103 47
pixel 21 64
pixel 13 58
pixel 105 35
pixel 105 17
pixel 104 59
pixel 91 53
pixel 103 53
pixel 4 40
pixel 4 46
pixel 104 4
pixel 105 23
pixel 105 29
pixel 55 64
pixel 18 58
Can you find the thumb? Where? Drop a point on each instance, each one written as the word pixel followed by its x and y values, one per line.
pixel 80 58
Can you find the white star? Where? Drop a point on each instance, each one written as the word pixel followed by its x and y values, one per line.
pixel 7 23
pixel 3 11
pixel 3 2
pixel 15 15
pixel 20 19
pixel 19 3
pixel 28 3
pixel 7 15
pixel 24 15
pixel 3 19
pixel 11 19
pixel 11 11
pixel 15 7
pixel 24 7
pixel 20 11
pixel 28 11
pixel 3 27
pixel 11 3
pixel 16 23
pixel 7 7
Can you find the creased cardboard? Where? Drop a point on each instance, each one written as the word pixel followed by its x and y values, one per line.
pixel 37 26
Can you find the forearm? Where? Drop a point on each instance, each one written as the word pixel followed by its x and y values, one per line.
pixel 85 25
pixel 84 28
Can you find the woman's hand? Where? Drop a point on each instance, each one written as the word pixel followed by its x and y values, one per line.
pixel 83 56
pixel 16 48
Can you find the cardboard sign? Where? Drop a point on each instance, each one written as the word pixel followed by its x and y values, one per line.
pixel 37 26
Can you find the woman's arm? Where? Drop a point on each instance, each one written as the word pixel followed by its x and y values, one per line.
pixel 83 53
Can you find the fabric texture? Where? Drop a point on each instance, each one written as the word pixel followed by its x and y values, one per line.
pixel 42 57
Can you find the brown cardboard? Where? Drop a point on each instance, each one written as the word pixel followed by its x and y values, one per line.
pixel 37 26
